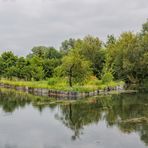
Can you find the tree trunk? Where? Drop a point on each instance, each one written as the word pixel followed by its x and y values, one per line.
pixel 70 76
pixel 70 81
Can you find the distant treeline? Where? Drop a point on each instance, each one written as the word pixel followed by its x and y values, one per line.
pixel 124 58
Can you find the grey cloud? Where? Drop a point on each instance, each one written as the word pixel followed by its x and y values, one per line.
pixel 27 23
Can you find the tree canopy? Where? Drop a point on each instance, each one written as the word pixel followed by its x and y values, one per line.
pixel 124 57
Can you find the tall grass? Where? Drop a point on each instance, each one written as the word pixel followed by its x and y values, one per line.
pixel 61 84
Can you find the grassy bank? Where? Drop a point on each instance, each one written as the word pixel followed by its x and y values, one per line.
pixel 61 84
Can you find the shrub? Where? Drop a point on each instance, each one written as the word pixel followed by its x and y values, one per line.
pixel 94 81
pixel 107 77
pixel 53 81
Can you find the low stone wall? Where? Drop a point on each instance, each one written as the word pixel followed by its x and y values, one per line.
pixel 59 94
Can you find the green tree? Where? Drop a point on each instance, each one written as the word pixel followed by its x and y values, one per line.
pixel 2 67
pixel 52 53
pixel 44 52
pixel 49 66
pixel 36 67
pixel 111 40
pixel 123 57
pixel 67 45
pixel 91 48
pixel 75 67
pixel 38 51
pixel 8 59
pixel 20 65
pixel 145 28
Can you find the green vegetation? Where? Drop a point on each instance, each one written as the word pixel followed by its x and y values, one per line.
pixel 78 61
pixel 61 84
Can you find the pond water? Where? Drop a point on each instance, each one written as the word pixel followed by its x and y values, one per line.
pixel 112 121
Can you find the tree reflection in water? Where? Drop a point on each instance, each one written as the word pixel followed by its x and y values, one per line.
pixel 128 112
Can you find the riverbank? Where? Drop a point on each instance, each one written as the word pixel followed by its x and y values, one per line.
pixel 43 88
pixel 13 96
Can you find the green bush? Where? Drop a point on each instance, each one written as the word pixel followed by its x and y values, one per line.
pixel 53 81
pixel 93 81
pixel 107 77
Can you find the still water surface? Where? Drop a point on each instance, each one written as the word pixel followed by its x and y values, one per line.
pixel 113 121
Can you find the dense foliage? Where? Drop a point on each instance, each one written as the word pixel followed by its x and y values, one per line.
pixel 125 58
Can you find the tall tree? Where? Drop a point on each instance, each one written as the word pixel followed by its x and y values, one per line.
pixel 91 48
pixel 67 45
pixel 75 67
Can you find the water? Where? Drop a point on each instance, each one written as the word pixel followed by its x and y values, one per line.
pixel 113 121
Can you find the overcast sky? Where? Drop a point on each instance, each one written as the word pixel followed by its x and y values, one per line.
pixel 28 23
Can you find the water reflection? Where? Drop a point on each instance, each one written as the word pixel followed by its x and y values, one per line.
pixel 127 112
pixel 10 101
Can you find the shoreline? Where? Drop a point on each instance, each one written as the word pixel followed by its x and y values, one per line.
pixel 61 93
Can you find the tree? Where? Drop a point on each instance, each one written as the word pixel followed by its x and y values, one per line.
pixel 20 65
pixel 44 52
pixel 49 65
pixel 110 53
pixel 36 66
pixel 123 57
pixel 2 67
pixel 52 53
pixel 111 40
pixel 143 43
pixel 7 60
pixel 75 67
pixel 38 51
pixel 91 48
pixel 67 45
pixel 11 72
pixel 145 28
